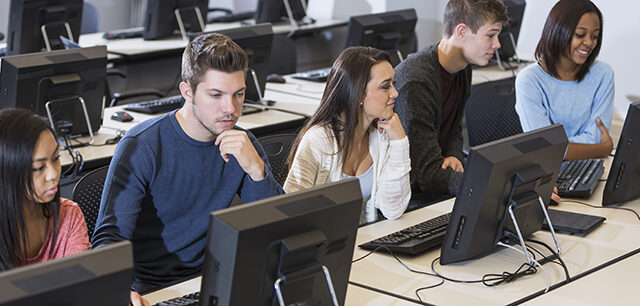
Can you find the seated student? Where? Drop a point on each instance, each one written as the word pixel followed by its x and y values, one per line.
pixel 36 224
pixel 567 85
pixel 356 133
pixel 434 85
pixel 168 173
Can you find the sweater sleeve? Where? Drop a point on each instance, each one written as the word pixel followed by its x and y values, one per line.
pixel 529 102
pixel 601 107
pixel 306 162
pixel 267 187
pixel 394 189
pixel 417 111
pixel 124 189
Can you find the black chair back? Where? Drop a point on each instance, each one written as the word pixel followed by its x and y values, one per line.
pixel 277 148
pixel 490 112
pixel 87 193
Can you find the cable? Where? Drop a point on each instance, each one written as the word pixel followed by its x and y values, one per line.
pixel 609 207
pixel 556 255
pixel 528 270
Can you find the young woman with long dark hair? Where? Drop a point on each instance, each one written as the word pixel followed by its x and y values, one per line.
pixel 36 224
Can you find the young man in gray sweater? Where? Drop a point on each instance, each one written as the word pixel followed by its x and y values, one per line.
pixel 433 86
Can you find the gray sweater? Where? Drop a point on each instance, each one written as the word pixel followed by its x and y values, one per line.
pixel 419 108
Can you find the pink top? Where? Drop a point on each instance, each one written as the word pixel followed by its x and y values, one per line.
pixel 72 234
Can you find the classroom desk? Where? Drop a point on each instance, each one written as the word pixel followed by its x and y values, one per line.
pixel 616 237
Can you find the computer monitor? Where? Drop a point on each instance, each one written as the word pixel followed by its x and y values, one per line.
pixel 36 25
pixel 168 17
pixel 624 175
pixel 275 11
pixel 70 83
pixel 97 277
pixel 299 236
pixel 257 42
pixel 508 37
pixel 393 32
pixel 519 170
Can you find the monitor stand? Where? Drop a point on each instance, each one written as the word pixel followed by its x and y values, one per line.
pixel 183 29
pixel 46 28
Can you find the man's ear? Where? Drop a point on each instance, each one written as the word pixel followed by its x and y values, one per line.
pixel 185 90
pixel 461 30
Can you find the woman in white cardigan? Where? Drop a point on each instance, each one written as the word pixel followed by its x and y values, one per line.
pixel 356 133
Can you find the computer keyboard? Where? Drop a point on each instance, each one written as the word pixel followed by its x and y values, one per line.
pixel 162 105
pixel 124 33
pixel 168 104
pixel 578 178
pixel 185 300
pixel 318 75
pixel 415 239
pixel 232 17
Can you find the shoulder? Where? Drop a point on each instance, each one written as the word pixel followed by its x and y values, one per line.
pixel 69 209
pixel 420 66
pixel 146 127
pixel 601 70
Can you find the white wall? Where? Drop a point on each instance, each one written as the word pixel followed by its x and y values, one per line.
pixel 620 41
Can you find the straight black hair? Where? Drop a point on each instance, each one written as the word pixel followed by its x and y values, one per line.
pixel 558 32
pixel 19 133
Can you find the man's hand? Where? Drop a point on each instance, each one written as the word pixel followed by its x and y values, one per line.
pixel 237 143
pixel 452 162
pixel 137 300
pixel 392 126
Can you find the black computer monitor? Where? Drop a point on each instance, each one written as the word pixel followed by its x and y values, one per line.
pixel 257 42
pixel 64 78
pixel 275 11
pixel 508 37
pixel 161 17
pixel 96 277
pixel 520 170
pixel 393 32
pixel 624 175
pixel 29 19
pixel 294 235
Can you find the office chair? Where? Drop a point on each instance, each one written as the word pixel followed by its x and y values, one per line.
pixel 277 148
pixel 87 193
pixel 490 112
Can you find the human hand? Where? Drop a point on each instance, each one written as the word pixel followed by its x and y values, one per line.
pixel 137 300
pixel 392 126
pixel 238 144
pixel 555 197
pixel 452 162
pixel 605 138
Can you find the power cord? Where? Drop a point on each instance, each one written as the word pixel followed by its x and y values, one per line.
pixel 608 207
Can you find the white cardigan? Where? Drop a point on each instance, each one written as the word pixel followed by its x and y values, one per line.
pixel 315 163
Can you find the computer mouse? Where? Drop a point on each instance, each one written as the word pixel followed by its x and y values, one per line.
pixel 276 78
pixel 121 116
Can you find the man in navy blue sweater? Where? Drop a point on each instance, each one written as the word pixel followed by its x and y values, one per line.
pixel 168 173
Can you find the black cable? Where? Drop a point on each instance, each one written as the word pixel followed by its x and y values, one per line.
pixel 556 255
pixel 427 287
pixel 609 207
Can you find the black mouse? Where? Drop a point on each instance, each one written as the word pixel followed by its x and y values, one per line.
pixel 276 78
pixel 121 116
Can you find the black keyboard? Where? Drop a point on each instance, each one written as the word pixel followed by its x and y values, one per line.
pixel 232 17
pixel 318 75
pixel 124 33
pixel 578 178
pixel 414 239
pixel 162 105
pixel 185 300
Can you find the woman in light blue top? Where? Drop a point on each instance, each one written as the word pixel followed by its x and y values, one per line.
pixel 567 85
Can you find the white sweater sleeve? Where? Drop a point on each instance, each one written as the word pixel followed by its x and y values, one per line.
pixel 393 190
pixel 307 161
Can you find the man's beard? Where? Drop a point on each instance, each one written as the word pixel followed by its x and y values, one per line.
pixel 209 129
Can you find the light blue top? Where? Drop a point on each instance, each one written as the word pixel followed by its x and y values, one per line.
pixel 366 182
pixel 543 100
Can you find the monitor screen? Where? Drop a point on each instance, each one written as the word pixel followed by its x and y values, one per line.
pixel 60 77
pixel 624 174
pixel 27 17
pixel 294 235
pixel 161 21
pixel 257 42
pixel 519 170
pixel 96 277
pixel 515 12
pixel 393 32
pixel 274 11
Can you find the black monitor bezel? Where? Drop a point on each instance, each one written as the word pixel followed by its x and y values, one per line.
pixel 160 19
